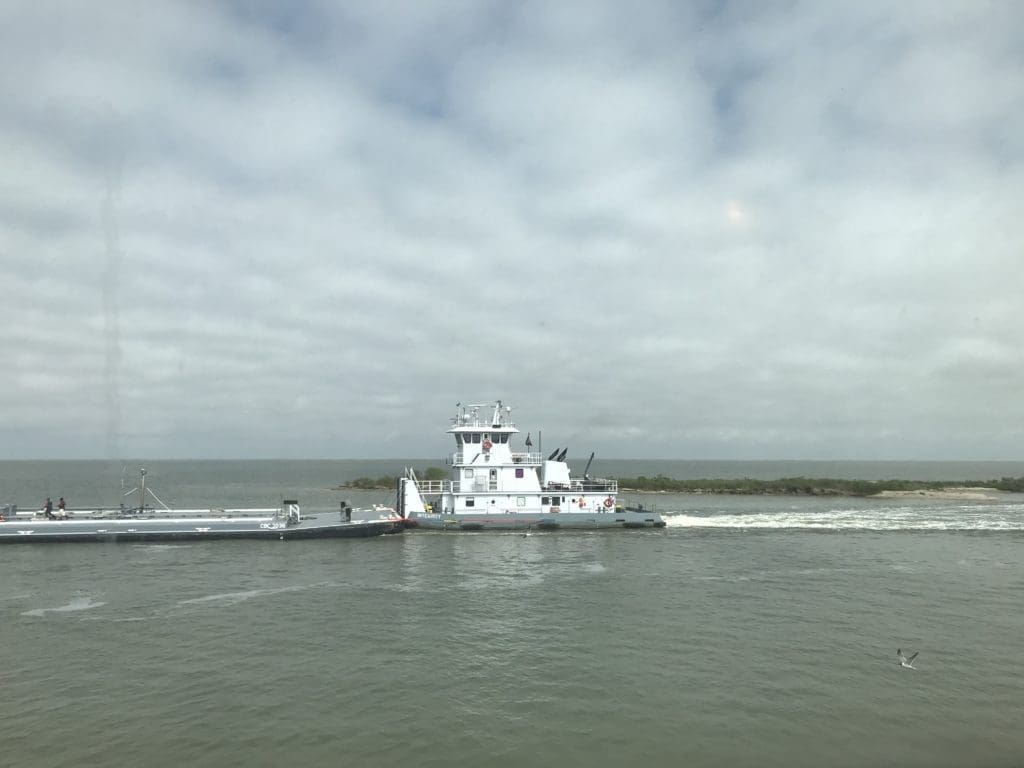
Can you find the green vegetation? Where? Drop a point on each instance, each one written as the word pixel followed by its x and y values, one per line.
pixel 388 481
pixel 748 485
pixel 1009 484
pixel 807 486
pixel 369 483
pixel 786 486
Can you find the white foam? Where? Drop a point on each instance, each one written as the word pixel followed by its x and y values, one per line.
pixel 233 597
pixel 1005 517
pixel 238 597
pixel 78 604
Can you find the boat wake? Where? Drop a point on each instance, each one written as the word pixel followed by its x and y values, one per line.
pixel 1002 517
pixel 78 604
pixel 241 597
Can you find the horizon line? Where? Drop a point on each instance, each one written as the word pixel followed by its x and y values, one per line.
pixel 581 458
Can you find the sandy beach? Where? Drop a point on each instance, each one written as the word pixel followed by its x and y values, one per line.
pixel 949 494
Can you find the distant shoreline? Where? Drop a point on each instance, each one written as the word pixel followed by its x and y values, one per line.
pixel 951 493
pixel 818 486
pixel 787 486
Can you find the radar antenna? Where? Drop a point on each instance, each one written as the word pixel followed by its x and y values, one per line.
pixel 586 472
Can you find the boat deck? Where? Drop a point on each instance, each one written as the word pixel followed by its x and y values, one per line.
pixel 107 525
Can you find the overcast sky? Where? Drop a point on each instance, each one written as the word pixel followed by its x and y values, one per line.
pixel 677 230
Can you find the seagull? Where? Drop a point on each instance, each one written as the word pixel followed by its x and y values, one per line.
pixel 904 661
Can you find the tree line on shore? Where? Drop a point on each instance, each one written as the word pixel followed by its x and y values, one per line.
pixel 808 486
pixel 788 486
pixel 388 481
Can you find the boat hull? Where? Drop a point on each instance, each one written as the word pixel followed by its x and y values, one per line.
pixel 128 530
pixel 554 522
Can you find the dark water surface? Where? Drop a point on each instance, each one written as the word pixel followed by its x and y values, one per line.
pixel 751 631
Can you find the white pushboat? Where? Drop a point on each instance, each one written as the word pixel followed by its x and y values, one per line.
pixel 493 487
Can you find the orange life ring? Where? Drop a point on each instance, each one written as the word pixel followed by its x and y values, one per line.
pixel 583 502
pixel 609 502
pixel 488 445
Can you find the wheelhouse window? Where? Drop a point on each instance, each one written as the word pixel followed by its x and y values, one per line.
pixel 470 501
pixel 519 472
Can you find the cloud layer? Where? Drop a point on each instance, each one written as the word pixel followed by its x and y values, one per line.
pixel 715 230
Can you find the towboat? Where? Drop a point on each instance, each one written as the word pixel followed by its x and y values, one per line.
pixel 493 486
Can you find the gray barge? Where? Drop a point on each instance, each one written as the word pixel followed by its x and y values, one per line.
pixel 144 523
pixel 183 525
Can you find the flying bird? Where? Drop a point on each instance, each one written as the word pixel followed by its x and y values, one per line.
pixel 904 661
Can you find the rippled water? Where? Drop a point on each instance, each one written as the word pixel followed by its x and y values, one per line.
pixel 752 631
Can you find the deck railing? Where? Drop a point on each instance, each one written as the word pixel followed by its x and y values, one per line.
pixel 434 486
pixel 483 485
pixel 527 459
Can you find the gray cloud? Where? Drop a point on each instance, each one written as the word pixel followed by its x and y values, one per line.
pixel 736 230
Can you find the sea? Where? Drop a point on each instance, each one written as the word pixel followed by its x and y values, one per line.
pixel 751 631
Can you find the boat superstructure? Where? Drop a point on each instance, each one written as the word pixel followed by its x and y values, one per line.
pixel 493 486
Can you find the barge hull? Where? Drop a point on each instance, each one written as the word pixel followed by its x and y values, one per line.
pixel 136 531
pixel 552 522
